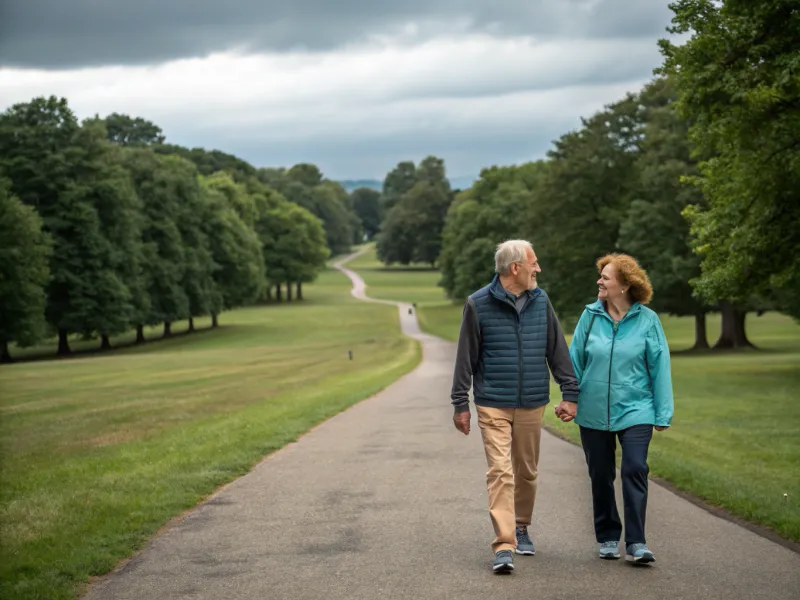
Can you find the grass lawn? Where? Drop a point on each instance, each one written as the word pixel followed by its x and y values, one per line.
pixel 735 439
pixel 99 452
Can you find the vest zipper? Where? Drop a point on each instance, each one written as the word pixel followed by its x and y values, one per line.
pixel 610 359
pixel 519 360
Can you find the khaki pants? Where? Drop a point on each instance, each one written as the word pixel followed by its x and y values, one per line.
pixel 511 438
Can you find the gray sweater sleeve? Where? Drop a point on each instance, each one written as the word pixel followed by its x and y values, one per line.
pixel 467 354
pixel 558 357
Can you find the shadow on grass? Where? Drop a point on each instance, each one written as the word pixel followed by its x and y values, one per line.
pixel 180 336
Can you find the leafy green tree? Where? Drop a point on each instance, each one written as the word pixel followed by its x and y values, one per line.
pixel 198 281
pixel 70 175
pixel 111 193
pixel 24 272
pixel 238 262
pixel 737 75
pixel 417 217
pixel 210 161
pixel 236 195
pixel 397 183
pixel 157 180
pixel 128 131
pixel 306 174
pixel 413 229
pixel 479 219
pixel 367 205
pixel 294 245
pixel 583 199
pixel 654 230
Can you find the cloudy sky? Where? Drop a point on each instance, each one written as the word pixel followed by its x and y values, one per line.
pixel 354 86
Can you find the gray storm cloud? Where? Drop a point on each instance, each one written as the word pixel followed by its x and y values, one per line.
pixel 66 34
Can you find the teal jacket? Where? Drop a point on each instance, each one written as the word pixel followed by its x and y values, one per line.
pixel 623 369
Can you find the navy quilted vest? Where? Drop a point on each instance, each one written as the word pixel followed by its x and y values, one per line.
pixel 512 371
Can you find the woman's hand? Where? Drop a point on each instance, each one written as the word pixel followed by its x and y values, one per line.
pixel 660 428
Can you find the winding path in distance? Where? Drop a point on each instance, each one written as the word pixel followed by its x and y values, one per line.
pixel 388 500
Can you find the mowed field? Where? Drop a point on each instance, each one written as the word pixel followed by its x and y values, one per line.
pixel 100 451
pixel 735 438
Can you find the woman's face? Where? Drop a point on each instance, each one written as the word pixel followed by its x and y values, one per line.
pixel 609 284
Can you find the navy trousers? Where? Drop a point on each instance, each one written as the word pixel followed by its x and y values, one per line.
pixel 600 449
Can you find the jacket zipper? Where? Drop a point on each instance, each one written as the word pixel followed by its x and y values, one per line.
pixel 610 360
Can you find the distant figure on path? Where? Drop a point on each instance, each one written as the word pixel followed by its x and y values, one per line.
pixel 621 358
pixel 509 336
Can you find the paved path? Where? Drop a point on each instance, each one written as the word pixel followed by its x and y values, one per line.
pixel 387 500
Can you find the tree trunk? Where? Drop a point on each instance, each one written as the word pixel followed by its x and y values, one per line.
pixel 278 296
pixel 167 329
pixel 191 324
pixel 700 335
pixel 214 320
pixel 739 330
pixel 63 343
pixel 299 290
pixel 269 293
pixel 733 328
pixel 105 344
pixel 288 291
pixel 5 356
pixel 140 334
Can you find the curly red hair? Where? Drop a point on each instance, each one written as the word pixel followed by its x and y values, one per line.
pixel 631 273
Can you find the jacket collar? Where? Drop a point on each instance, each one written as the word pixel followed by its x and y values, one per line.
pixel 497 290
pixel 598 307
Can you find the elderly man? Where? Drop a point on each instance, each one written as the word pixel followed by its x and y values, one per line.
pixel 509 336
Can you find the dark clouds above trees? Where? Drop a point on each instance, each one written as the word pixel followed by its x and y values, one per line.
pixel 65 34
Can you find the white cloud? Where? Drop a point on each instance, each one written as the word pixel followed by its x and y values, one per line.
pixel 460 86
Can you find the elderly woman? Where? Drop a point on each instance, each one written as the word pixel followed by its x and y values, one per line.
pixel 621 360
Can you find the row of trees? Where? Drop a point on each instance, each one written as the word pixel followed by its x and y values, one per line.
pixel 104 228
pixel 697 175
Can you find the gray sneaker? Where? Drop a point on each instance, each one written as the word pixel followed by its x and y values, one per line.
pixel 609 550
pixel 638 553
pixel 503 562
pixel 524 543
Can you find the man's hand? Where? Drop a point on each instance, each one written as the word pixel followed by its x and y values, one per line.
pixel 566 411
pixel 461 421
pixel 661 428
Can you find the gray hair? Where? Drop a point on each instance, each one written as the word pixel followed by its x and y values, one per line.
pixel 508 252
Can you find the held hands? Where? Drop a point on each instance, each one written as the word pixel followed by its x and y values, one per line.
pixel 566 411
pixel 461 421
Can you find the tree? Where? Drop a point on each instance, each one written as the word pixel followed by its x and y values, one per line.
pixel 307 174
pixel 238 270
pixel 236 195
pixel 293 244
pixel 738 81
pixel 397 183
pixel 198 282
pixel 367 205
pixel 479 219
pixel 654 230
pixel 128 131
pixel 24 272
pixel 157 181
pixel 110 191
pixel 417 216
pixel 583 198
pixel 210 161
pixel 68 174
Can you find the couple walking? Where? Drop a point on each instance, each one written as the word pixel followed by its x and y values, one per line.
pixel 615 383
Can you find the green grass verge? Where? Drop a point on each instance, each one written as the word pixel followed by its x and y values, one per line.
pixel 99 452
pixel 735 439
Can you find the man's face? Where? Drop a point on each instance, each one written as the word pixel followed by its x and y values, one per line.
pixel 525 272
